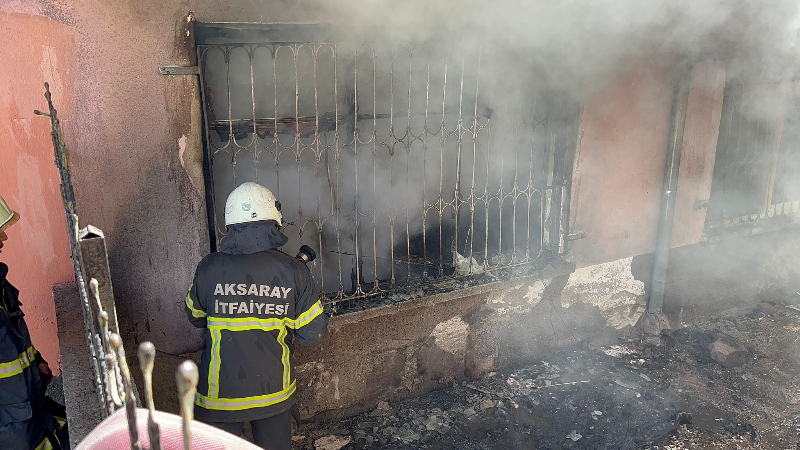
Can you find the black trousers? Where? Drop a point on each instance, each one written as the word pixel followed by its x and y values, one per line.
pixel 272 433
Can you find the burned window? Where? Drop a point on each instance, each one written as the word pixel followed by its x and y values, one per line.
pixel 405 166
pixel 757 166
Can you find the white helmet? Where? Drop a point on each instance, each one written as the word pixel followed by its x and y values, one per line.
pixel 7 216
pixel 251 202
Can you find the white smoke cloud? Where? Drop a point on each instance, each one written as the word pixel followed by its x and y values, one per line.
pixel 534 56
pixel 579 39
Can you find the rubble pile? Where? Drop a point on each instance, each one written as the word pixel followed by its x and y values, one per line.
pixel 723 383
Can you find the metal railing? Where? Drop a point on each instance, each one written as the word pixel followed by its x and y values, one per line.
pixel 405 165
pixel 757 169
pixel 93 279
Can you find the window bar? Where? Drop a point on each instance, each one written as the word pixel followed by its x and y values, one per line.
pixel 231 136
pixel 750 166
pixel 561 194
pixel 409 143
pixel 550 202
pixel 374 139
pixel 357 216
pixel 487 198
pixel 726 154
pixel 459 130
pixel 730 161
pixel 443 141
pixel 425 206
pixel 516 191
pixel 318 157
pixel 276 142
pixel 390 143
pixel 501 200
pixel 297 145
pixel 254 143
pixel 335 207
pixel 529 189
pixel 475 131
pixel 741 151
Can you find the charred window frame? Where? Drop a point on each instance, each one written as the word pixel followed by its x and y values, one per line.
pixel 396 162
pixel 756 181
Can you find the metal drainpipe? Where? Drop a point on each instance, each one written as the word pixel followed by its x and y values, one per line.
pixel 680 99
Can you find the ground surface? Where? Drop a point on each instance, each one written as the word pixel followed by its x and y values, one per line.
pixel 630 394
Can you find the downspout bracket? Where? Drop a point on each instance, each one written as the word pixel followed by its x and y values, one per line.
pixel 174 69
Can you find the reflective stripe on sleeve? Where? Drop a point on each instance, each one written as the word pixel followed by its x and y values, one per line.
pixel 306 318
pixel 287 371
pixel 15 367
pixel 190 304
pixel 214 364
pixel 245 323
pixel 238 404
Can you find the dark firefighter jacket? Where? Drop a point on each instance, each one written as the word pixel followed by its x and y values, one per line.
pixel 253 301
pixel 21 387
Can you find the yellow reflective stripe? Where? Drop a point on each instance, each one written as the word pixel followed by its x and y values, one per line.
pixel 254 323
pixel 308 316
pixel 8 370
pixel 45 445
pixel 285 358
pixel 190 304
pixel 246 323
pixel 214 364
pixel 15 367
pixel 238 404
pixel 60 421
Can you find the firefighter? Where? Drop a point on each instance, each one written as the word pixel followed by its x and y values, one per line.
pixel 253 301
pixel 26 420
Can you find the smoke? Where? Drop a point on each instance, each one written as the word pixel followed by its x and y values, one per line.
pixel 581 39
pixel 457 99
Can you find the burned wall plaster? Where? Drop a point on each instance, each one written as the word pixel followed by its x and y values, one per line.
pixel 190 145
pixel 612 288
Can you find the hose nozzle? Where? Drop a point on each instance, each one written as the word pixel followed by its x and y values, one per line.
pixel 306 254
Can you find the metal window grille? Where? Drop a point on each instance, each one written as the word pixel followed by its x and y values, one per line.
pixel 407 167
pixel 756 182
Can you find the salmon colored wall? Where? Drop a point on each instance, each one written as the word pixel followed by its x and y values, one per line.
pixel 125 147
pixel 620 167
pixel 37 252
pixel 703 114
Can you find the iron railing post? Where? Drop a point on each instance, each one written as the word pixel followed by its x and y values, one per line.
pixel 71 212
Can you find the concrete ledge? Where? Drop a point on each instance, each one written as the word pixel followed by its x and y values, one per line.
pixel 552 271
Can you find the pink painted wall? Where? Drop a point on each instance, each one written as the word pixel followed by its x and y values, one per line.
pixel 620 167
pixel 703 114
pixel 124 147
pixel 37 252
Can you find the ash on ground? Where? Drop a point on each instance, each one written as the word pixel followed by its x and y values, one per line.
pixel 729 383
